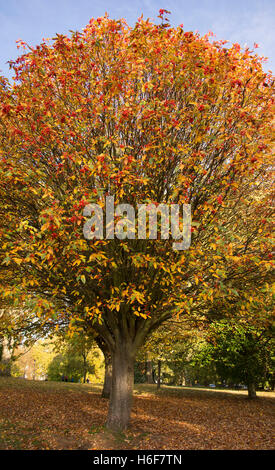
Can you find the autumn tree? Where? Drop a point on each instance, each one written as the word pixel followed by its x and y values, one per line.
pixel 70 365
pixel 8 342
pixel 172 346
pixel 145 114
pixel 80 346
pixel 31 362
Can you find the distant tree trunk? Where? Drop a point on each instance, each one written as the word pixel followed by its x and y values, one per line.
pixel 251 390
pixel 183 380
pixel 106 392
pixel 34 369
pixel 122 386
pixel 159 371
pixel 149 370
pixel 107 386
pixel 6 357
pixel 84 368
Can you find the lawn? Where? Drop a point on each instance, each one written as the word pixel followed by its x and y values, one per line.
pixel 57 415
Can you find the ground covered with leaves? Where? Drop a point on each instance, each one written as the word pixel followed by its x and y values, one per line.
pixel 52 415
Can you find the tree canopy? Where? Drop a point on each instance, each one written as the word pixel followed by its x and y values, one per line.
pixel 149 113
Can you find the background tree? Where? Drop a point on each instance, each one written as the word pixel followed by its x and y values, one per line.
pixel 172 347
pixel 80 345
pixel 32 362
pixel 241 353
pixel 107 385
pixel 69 367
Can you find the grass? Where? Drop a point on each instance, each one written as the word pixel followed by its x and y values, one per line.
pixel 195 391
pixel 60 415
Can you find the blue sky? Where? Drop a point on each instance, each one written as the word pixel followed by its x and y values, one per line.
pixel 243 21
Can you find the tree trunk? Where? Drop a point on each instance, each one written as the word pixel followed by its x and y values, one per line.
pixel 149 370
pixel 6 358
pixel 106 392
pixel 159 371
pixel 122 388
pixel 84 368
pixel 251 390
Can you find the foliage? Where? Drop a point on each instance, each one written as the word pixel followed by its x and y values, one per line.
pixel 67 366
pixel 205 140
pixel 78 358
pixel 139 372
pixel 32 362
pixel 147 114
pixel 55 357
pixel 240 353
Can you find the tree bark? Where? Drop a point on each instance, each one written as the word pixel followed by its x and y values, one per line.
pixel 122 387
pixel 183 380
pixel 251 391
pixel 84 369
pixel 159 371
pixel 149 370
pixel 6 358
pixel 106 392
